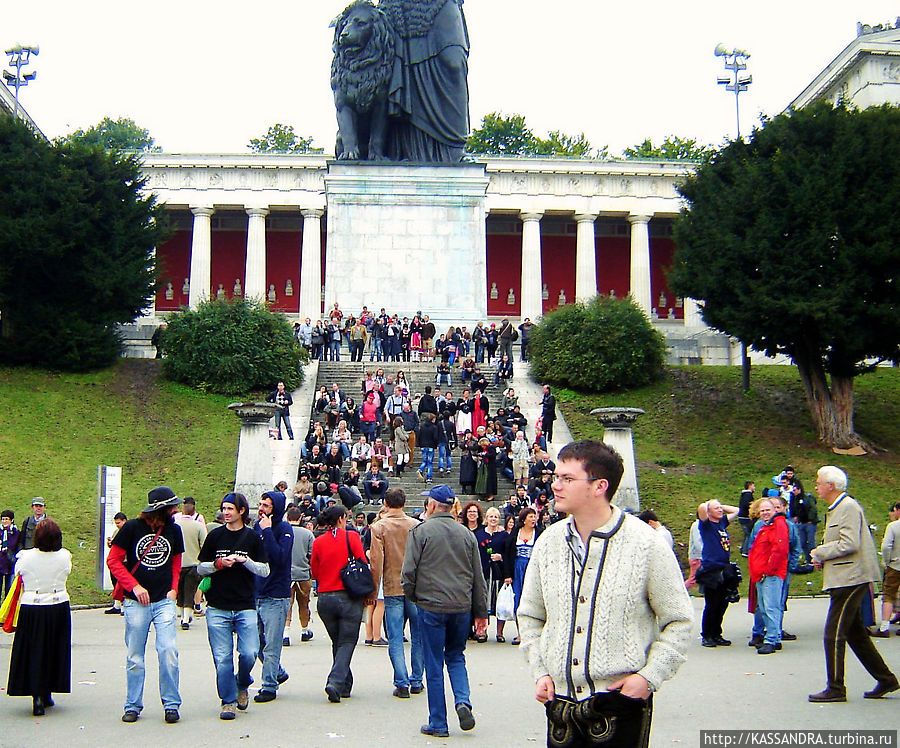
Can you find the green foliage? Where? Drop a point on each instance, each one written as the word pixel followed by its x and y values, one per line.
pixel 509 136
pixel 607 344
pixel 232 347
pixel 282 139
pixel 122 134
pixel 77 233
pixel 673 148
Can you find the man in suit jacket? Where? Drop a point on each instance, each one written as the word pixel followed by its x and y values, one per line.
pixel 548 412
pixel 847 555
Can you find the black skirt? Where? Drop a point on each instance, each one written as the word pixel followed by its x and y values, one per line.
pixel 41 658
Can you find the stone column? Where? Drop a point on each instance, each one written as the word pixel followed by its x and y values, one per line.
pixel 311 264
pixel 585 257
pixel 617 423
pixel 255 270
pixel 201 263
pixel 253 474
pixel 640 261
pixel 531 303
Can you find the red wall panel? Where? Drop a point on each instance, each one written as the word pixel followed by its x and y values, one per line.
pixel 229 259
pixel 283 262
pixel 613 264
pixel 504 267
pixel 173 263
pixel 662 252
pixel 558 269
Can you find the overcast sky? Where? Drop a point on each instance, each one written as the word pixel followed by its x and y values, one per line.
pixel 207 76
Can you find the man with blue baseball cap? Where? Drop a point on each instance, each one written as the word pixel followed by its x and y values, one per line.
pixel 442 576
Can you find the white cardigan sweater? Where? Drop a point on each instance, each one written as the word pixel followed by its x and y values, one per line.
pixel 43 576
pixel 627 612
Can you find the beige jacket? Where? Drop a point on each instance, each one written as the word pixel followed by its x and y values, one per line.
pixel 388 549
pixel 847 550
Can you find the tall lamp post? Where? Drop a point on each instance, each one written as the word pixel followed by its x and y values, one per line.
pixel 20 57
pixel 735 63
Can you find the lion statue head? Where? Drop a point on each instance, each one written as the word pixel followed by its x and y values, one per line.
pixel 363 49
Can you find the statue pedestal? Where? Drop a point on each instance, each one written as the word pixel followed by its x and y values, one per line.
pixel 617 423
pixel 253 475
pixel 407 237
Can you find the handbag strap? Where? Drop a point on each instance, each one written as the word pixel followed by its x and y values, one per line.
pixel 350 557
pixel 146 551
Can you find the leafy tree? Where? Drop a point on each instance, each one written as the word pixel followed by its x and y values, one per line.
pixel 510 136
pixel 672 148
pixel 282 139
pixel 607 344
pixel 77 233
pixel 232 347
pixel 122 134
pixel 790 242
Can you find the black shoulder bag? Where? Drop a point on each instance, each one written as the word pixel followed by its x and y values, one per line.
pixel 356 575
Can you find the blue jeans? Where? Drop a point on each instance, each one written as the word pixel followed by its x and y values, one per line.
pixel 137 626
pixel 375 349
pixel 335 347
pixel 445 458
pixel 221 626
pixel 279 417
pixel 341 616
pixel 769 610
pixel 444 637
pixel 427 467
pixel 272 613
pixel 807 532
pixel 397 610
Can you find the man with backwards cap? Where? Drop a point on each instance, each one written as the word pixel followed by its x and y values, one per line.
pixel 442 575
pixel 145 559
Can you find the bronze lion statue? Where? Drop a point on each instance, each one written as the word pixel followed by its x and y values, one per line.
pixel 360 78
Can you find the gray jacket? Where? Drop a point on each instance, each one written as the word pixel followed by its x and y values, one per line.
pixel 442 568
pixel 303 541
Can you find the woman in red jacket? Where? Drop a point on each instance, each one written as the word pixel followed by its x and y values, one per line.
pixel 340 613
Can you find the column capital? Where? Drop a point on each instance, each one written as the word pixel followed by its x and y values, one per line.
pixel 202 210
pixel 312 212
pixel 638 218
pixel 255 211
pixel 531 215
pixel 585 217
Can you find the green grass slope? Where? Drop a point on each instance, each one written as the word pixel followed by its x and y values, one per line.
pixel 701 438
pixel 57 428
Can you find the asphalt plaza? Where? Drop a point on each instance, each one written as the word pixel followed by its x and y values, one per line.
pixel 716 689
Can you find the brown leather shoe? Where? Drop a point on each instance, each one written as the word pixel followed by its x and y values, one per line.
pixel 881 689
pixel 827 696
pixel 879 634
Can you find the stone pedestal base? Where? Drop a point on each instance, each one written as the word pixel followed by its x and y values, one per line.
pixel 253 475
pixel 407 237
pixel 617 424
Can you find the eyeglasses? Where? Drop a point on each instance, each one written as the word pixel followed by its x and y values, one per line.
pixel 568 480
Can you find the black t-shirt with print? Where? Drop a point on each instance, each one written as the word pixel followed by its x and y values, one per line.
pixel 154 573
pixel 233 588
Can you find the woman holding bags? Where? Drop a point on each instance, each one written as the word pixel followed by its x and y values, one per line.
pixel 41 660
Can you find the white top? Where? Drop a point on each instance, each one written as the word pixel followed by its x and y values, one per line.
pixel 44 576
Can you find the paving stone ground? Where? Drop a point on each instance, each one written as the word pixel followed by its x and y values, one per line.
pixel 722 688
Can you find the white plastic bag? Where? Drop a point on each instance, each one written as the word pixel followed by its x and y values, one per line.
pixel 506 603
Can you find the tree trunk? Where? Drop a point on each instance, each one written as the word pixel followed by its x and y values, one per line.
pixel 831 408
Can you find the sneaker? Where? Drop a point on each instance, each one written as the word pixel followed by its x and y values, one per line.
pixel 114 611
pixel 755 641
pixel 243 699
pixel 198 611
pixel 421 475
pixel 720 642
pixel 401 692
pixel 416 689
pixel 786 637
pixel 704 642
pixel 265 696
pixel 306 636
pixel 227 711
pixel 368 642
pixel 286 642
pixel 282 677
pixel 434 732
pixel 382 642
pixel 466 720
pixel 185 626
pixel 766 649
pixel 130 716
pixel 172 716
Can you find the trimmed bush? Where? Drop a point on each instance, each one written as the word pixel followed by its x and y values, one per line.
pixel 232 347
pixel 607 344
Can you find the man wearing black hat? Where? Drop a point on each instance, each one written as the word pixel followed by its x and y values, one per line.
pixel 442 575
pixel 145 559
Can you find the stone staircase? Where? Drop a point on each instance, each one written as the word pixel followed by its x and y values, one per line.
pixel 349 377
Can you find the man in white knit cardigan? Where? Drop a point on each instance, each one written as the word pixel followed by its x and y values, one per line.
pixel 604 617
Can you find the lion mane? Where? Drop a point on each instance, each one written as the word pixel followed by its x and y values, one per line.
pixel 363 74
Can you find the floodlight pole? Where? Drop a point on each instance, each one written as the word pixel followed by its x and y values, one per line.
pixel 735 62
pixel 19 57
